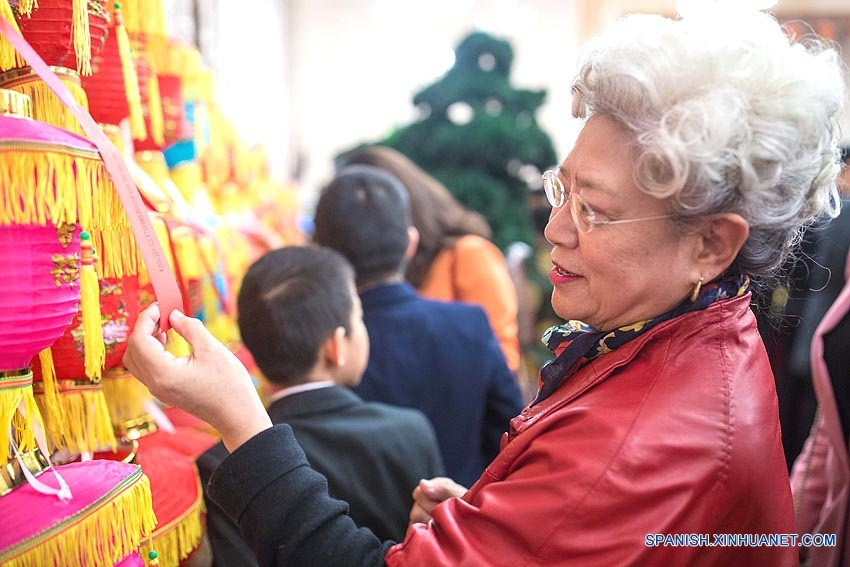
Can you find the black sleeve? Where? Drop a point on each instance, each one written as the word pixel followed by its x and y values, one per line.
pixel 228 547
pixel 283 508
pixel 504 400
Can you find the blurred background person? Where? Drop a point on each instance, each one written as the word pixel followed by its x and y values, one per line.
pixel 455 260
pixel 440 358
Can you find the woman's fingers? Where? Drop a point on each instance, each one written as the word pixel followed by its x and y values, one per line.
pixel 429 493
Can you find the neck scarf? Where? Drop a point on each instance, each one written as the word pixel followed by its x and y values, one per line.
pixel 575 344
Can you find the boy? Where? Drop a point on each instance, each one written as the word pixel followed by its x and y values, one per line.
pixel 300 317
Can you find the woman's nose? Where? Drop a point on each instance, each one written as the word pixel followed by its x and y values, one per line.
pixel 561 230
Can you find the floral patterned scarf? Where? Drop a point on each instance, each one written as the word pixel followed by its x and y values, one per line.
pixel 575 343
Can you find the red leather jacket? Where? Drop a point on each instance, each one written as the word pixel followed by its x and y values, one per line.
pixel 676 432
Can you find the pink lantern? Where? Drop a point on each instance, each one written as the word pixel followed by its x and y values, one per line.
pixel 39 290
pixel 108 497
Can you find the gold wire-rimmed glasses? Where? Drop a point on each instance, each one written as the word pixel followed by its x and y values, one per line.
pixel 583 215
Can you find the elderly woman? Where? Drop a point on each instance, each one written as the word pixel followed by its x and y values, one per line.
pixel 709 142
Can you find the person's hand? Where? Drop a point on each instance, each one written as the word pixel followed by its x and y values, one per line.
pixel 429 493
pixel 211 383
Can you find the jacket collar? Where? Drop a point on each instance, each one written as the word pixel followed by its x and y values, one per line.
pixel 312 402
pixel 599 369
pixel 387 295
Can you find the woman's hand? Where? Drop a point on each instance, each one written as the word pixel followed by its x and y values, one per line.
pixel 211 383
pixel 429 493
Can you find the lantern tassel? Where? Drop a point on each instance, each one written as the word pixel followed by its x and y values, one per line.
pixel 131 79
pixel 46 106
pixel 95 351
pixel 16 389
pixel 157 119
pixel 50 400
pixel 9 58
pixel 82 35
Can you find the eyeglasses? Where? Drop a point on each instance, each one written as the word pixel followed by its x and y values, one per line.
pixel 583 215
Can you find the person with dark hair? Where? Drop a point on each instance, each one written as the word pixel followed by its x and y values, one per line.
pixel 421 348
pixel 300 317
pixel 455 260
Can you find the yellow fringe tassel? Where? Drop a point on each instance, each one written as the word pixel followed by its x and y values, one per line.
pixel 85 424
pixel 50 389
pixel 94 348
pixel 122 257
pixel 157 119
pixel 99 535
pixel 177 345
pixel 25 7
pixel 40 185
pixel 131 80
pixel 126 397
pixel 9 58
pixel 82 35
pixel 46 106
pixel 176 541
pixel 19 390
pixel 147 18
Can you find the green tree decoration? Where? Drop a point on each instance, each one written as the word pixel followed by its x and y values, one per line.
pixel 478 135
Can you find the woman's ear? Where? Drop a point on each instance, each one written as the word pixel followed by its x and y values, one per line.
pixel 335 349
pixel 719 238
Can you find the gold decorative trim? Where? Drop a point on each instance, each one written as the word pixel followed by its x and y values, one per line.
pixel 24 75
pixel 14 103
pixel 12 476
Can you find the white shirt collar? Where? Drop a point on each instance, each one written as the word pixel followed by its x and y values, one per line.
pixel 306 387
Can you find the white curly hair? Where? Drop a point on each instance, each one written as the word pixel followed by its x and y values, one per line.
pixel 729 115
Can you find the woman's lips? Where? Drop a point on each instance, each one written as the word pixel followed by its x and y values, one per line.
pixel 559 276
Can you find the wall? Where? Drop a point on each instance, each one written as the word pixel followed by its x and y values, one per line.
pixel 355 65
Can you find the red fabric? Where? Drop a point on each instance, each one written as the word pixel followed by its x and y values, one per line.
pixel 173 107
pixel 180 418
pixel 676 432
pixel 175 485
pixel 119 307
pixel 143 72
pixel 187 441
pixel 105 87
pixel 48 30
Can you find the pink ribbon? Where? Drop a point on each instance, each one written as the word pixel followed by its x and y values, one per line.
pixel 162 279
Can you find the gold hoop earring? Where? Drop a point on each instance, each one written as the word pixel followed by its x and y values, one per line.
pixel 695 292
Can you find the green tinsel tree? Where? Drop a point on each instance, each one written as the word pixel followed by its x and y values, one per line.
pixel 479 136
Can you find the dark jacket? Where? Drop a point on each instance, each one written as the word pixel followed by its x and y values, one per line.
pixel 373 455
pixel 675 432
pixel 442 359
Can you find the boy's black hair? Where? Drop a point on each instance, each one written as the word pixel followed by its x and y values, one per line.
pixel 291 301
pixel 364 214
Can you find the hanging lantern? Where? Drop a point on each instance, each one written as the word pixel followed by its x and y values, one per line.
pixel 54 178
pixel 106 522
pixel 113 88
pixel 67 34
